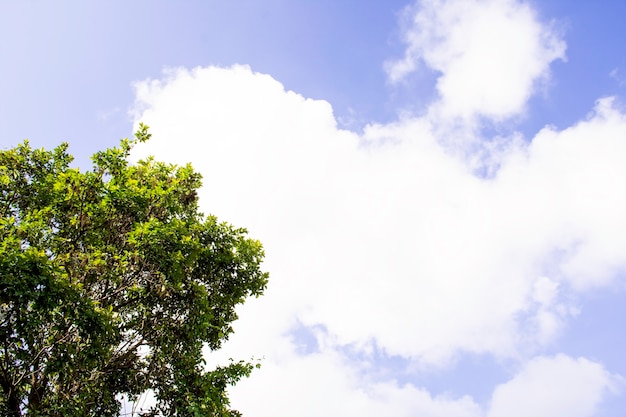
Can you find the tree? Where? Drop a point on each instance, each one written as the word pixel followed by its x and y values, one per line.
pixel 112 284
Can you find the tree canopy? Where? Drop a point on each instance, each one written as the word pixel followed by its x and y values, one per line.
pixel 111 285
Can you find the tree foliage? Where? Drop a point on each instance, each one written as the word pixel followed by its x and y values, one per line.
pixel 112 283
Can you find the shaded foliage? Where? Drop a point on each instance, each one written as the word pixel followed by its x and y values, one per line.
pixel 112 283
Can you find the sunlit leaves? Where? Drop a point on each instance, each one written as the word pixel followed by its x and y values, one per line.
pixel 112 282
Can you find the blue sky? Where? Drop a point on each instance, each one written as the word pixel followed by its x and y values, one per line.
pixel 439 184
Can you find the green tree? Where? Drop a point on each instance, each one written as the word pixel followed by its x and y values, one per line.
pixel 112 283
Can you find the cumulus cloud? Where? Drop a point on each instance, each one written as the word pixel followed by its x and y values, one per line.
pixel 554 386
pixel 490 53
pixel 390 223
pixel 388 239
pixel 323 383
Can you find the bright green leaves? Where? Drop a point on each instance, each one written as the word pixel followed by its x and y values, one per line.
pixel 112 282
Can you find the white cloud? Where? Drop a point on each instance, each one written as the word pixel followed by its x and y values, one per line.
pixel 574 196
pixel 392 226
pixel 388 238
pixel 324 384
pixel 554 386
pixel 490 53
pixel 545 386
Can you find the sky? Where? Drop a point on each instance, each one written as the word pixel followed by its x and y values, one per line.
pixel 439 185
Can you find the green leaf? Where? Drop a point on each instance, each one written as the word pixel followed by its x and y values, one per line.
pixel 112 283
